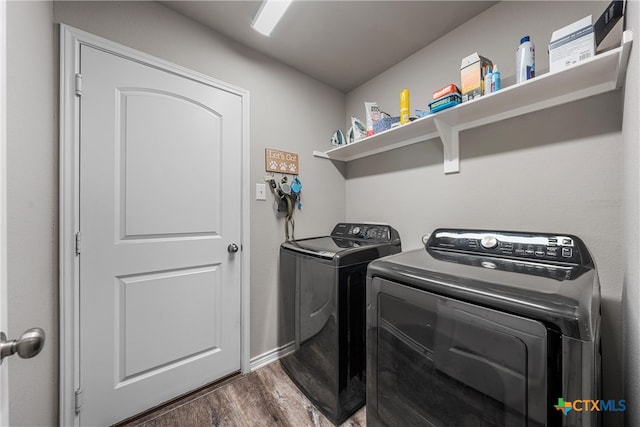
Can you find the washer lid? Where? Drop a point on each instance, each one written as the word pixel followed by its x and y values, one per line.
pixel 319 246
pixel 326 246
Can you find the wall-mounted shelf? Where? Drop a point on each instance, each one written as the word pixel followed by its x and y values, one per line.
pixel 602 73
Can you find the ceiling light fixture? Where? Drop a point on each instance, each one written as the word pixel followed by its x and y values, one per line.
pixel 269 14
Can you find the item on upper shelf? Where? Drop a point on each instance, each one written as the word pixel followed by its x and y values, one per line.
pixel 487 82
pixel 472 71
pixel 338 138
pixel 404 106
pixel 385 123
pixel 373 115
pixel 496 80
pixel 608 20
pixel 525 60
pixel 445 102
pixel 572 44
pixel 443 91
pixel 357 131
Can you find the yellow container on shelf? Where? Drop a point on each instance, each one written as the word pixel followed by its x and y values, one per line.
pixel 404 106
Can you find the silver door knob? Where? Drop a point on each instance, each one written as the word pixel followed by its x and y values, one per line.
pixel 232 248
pixel 27 346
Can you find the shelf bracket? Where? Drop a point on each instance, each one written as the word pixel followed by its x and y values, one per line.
pixel 627 38
pixel 450 142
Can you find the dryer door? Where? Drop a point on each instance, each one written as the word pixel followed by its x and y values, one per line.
pixel 443 362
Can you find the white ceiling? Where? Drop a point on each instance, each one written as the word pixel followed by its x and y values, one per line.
pixel 341 43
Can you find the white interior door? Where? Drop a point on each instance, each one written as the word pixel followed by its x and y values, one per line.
pixel 160 208
pixel 4 398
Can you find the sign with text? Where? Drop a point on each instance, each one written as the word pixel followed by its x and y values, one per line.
pixel 281 161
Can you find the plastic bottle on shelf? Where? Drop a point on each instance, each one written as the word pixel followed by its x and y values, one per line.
pixel 487 81
pixel 525 60
pixel 496 82
pixel 404 106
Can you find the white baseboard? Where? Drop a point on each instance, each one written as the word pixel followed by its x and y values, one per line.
pixel 271 356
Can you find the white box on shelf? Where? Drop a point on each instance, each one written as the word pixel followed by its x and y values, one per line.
pixel 572 44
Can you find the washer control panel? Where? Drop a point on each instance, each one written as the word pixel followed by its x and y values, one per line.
pixel 507 244
pixel 372 232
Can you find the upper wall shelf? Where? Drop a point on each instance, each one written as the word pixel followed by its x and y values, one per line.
pixel 602 73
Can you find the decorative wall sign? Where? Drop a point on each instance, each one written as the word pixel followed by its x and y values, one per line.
pixel 281 161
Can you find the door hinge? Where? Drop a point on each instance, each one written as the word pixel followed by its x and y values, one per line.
pixel 78 243
pixel 78 400
pixel 78 84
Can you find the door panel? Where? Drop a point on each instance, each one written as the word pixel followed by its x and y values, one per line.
pixel 143 303
pixel 154 183
pixel 160 164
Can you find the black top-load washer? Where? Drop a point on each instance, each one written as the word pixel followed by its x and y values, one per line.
pixel 326 280
pixel 484 328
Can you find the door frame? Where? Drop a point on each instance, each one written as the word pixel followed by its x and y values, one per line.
pixel 70 41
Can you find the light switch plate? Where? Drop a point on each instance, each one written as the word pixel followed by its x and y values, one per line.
pixel 261 191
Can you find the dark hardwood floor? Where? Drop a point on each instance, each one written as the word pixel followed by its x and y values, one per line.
pixel 264 397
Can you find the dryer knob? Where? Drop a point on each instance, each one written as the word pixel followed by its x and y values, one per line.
pixel 489 242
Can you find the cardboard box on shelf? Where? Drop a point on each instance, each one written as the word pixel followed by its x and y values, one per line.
pixel 572 44
pixel 472 71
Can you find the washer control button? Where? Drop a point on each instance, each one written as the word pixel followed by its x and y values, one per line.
pixel 489 242
pixel 488 264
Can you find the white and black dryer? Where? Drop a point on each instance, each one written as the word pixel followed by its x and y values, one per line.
pixel 483 328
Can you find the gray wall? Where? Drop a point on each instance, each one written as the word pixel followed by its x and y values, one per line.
pixel 289 111
pixel 631 195
pixel 557 170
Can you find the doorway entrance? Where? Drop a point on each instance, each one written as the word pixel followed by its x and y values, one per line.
pixel 154 231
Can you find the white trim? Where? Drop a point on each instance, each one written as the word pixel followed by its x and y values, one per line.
pixel 272 355
pixel 245 325
pixel 4 380
pixel 70 41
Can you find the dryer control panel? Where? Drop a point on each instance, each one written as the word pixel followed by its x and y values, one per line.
pixel 562 248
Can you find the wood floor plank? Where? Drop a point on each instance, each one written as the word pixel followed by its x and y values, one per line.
pixel 140 419
pixel 263 398
pixel 299 410
pixel 255 402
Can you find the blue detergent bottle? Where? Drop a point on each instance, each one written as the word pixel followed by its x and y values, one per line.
pixel 496 83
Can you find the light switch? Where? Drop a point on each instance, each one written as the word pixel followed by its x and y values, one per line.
pixel 261 191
